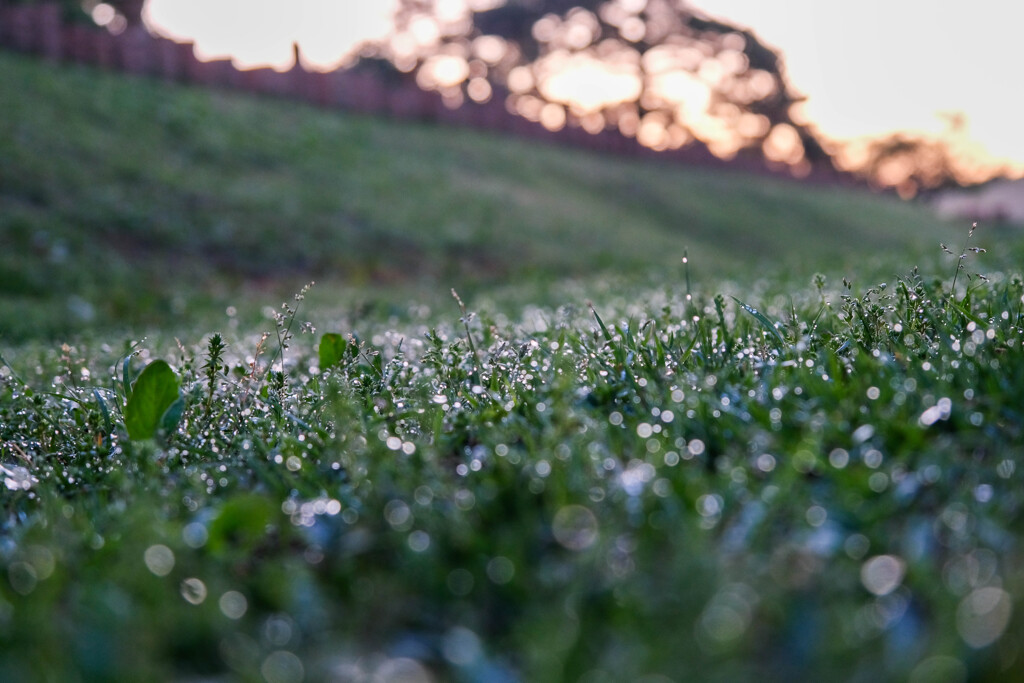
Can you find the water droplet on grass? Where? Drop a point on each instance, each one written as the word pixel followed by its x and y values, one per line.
pixel 282 667
pixel 856 546
pixel 709 505
pixel 983 493
pixel 17 478
pixel 575 527
pixel 23 577
pixel 839 458
pixel 983 616
pixel 233 604
pixel 460 582
pixel 500 570
pixel 159 559
pixel 939 669
pixel 816 515
pixel 461 647
pixel 42 560
pixel 863 433
pixel 401 670
pixel 195 535
pixel 398 515
pixel 419 541
pixel 882 574
pixel 193 590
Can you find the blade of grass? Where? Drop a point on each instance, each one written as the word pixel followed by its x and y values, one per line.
pixel 766 323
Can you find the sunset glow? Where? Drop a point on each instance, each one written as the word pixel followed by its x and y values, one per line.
pixel 867 69
pixel 586 83
pixel 262 32
pixel 876 66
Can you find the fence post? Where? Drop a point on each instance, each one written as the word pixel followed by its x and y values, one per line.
pixel 168 59
pixel 49 31
pixel 135 51
pixel 22 38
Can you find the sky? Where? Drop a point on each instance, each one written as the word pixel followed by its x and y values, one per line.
pixel 261 32
pixel 867 68
pixel 873 66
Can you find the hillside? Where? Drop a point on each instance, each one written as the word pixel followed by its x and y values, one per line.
pixel 133 201
pixel 815 479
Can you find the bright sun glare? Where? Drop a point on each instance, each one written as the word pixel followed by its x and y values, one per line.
pixel 261 33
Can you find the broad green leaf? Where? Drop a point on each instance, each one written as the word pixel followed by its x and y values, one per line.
pixel 154 392
pixel 172 416
pixel 332 349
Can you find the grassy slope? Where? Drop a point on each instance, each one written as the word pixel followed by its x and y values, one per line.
pixel 692 492
pixel 135 201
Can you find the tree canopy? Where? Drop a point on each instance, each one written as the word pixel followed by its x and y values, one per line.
pixel 659 70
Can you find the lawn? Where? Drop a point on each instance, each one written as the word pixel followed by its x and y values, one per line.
pixel 127 204
pixel 602 464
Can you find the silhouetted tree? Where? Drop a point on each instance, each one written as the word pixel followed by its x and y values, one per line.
pixel 694 77
pixel 909 163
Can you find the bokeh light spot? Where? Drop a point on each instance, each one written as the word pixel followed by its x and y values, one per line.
pixel 882 574
pixel 575 527
pixel 983 616
pixel 159 559
pixel 193 590
pixel 233 604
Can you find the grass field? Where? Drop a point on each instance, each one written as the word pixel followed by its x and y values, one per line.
pixel 134 203
pixel 602 465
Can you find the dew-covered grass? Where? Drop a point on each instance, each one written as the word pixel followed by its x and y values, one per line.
pixel 721 471
pixel 809 481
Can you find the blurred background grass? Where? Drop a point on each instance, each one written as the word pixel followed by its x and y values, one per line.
pixel 125 202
